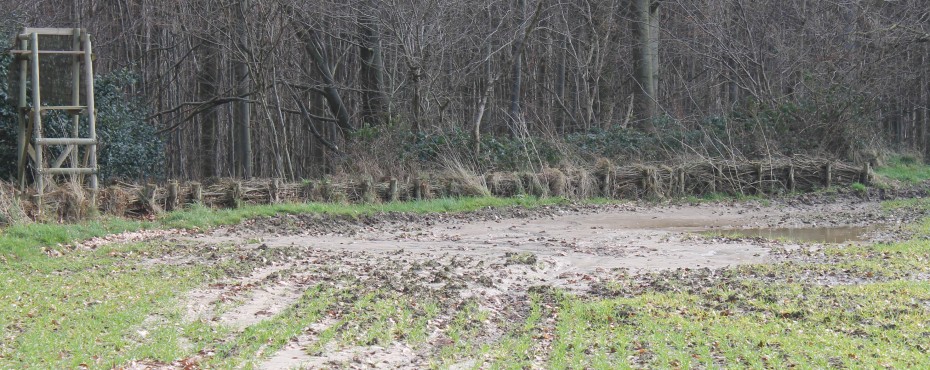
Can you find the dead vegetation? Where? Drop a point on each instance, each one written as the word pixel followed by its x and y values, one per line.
pixel 604 180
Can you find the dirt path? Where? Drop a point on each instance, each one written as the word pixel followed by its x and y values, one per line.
pixel 492 257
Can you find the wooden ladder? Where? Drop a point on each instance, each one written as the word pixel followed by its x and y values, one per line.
pixel 32 143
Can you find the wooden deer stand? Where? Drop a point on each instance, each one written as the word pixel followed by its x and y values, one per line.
pixel 32 141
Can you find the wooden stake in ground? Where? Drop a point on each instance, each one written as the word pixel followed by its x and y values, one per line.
pixel 309 190
pixel 682 185
pixel 828 175
pixel 197 193
pixel 760 179
pixel 393 194
pixel 273 191
pixel 148 198
pixel 866 176
pixel 173 202
pixel 235 195
pixel 367 190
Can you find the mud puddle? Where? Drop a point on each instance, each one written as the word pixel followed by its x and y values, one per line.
pixel 826 235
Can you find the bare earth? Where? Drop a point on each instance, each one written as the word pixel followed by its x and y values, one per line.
pixel 493 257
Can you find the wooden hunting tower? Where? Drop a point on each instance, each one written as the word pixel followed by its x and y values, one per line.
pixel 53 65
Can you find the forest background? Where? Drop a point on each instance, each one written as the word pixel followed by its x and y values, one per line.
pixel 195 89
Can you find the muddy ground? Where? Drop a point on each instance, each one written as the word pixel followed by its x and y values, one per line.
pixel 490 257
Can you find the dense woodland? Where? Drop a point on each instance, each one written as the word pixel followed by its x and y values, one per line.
pixel 300 88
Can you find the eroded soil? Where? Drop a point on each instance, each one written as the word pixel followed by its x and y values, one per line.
pixel 491 258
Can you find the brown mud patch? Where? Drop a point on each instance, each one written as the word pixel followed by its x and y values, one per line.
pixel 492 258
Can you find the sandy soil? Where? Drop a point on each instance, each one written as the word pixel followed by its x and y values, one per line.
pixel 492 256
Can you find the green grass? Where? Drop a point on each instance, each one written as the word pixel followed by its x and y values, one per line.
pixel 764 316
pixel 271 335
pixel 26 240
pixel 768 326
pixel 200 217
pixel 907 170
pixel 94 308
pixel 378 318
pixel 858 188
pixel 909 205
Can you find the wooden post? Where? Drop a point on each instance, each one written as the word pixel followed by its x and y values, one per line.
pixel 91 112
pixel 760 179
pixel 828 175
pixel 23 130
pixel 417 195
pixel 644 183
pixel 712 185
pixel 174 201
pixel 393 194
pixel 197 193
pixel 235 195
pixel 309 190
pixel 518 187
pixel 866 176
pixel 75 101
pixel 326 190
pixel 424 189
pixel 274 196
pixel 448 188
pixel 37 117
pixel 367 190
pixel 149 193
pixel 791 184
pixel 682 185
pixel 491 182
pixel 606 188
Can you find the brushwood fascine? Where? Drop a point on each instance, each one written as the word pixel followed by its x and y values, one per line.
pixel 605 180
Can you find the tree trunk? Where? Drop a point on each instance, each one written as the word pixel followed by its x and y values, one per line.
pixel 243 109
pixel 320 56
pixel 646 58
pixel 415 76
pixel 207 80
pixel 375 100
pixel 561 73
pixel 516 88
pixel 925 101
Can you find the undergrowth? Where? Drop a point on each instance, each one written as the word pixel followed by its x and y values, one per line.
pixel 905 169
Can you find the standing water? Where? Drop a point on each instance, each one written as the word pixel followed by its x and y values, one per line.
pixel 835 235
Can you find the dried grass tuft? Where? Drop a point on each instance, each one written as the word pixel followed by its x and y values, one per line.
pixel 115 201
pixel 11 209
pixel 69 202
pixel 555 181
pixel 470 182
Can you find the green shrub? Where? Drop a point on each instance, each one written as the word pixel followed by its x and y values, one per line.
pixel 858 188
pixel 129 147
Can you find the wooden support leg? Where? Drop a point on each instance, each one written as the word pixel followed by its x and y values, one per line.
pixel 91 112
pixel 37 116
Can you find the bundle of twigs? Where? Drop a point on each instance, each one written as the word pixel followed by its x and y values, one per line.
pixel 604 180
